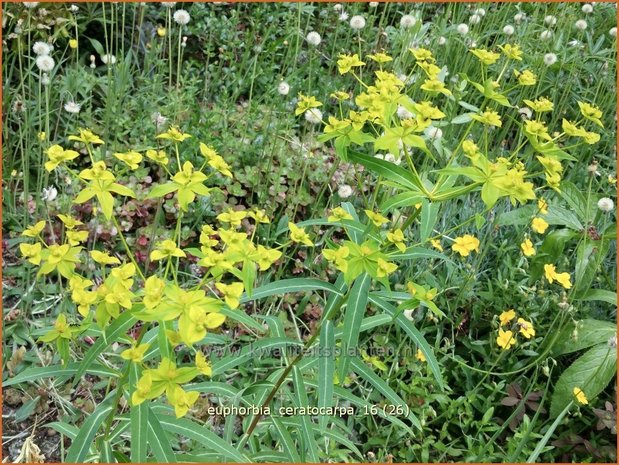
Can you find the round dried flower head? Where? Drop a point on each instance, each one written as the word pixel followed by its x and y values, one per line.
pixel 337 6
pixel 158 119
pixel 612 342
pixel 49 194
pixel 508 30
pixel 550 20
pixel 606 205
pixel 525 113
pixel 343 16
pixel 45 63
pixel 587 8
pixel 74 8
pixel 283 88
pixel 480 12
pixel 31 4
pixel 550 59
pixel 408 21
pixel 474 19
pixel 613 32
pixel 313 38
pixel 357 22
pixel 108 59
pixel 45 79
pixel 581 24
pixel 433 133
pixel 181 17
pixel 373 4
pixel 518 17
pixel 442 40
pixel 408 314
pixel 546 35
pixel 344 191
pixel 41 48
pixel 313 115
pixel 72 107
pixel 168 4
pixel 462 29
pixel 403 113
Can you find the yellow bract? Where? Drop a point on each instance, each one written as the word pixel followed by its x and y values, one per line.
pixel 58 155
pixel 376 218
pixel 166 249
pixel 131 158
pixel 347 62
pixel 299 235
pixel 231 292
pixel 136 353
pixel 485 56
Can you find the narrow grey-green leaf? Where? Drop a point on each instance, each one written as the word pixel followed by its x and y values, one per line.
pixel 158 440
pixel 355 310
pixel 326 369
pixel 139 422
pixel 84 439
pixel 307 432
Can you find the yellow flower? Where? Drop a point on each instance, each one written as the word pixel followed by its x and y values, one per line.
pixel 485 56
pixel 305 103
pixel 396 237
pixel 526 78
pixel 174 134
pixel 591 112
pixel 73 43
pixel 539 105
pixel 526 328
pixel 384 268
pixel 543 206
pixel 35 230
pixel 512 52
pixel 161 31
pixel 104 258
pixel 58 155
pixel 507 316
pixel 299 235
pixel 465 245
pixel 182 401
pixel 436 244
pixel 259 216
pixel 158 156
pixel 203 365
pixel 87 137
pixel 60 257
pixel 132 159
pixel 580 396
pixel 505 339
pixel 232 217
pixel 232 293
pixel 339 214
pixel 266 257
pixel 143 389
pixel 31 252
pixel 490 118
pixel 552 275
pixel 422 54
pixel 539 225
pixel 527 248
pixel 42 136
pixel 420 356
pixel 338 257
pixel 376 218
pixel 135 354
pixel 166 249
pixel 347 62
pixel 380 57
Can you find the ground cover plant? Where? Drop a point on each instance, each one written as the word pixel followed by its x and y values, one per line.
pixel 303 232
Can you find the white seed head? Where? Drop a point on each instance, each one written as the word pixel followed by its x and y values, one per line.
pixel 41 48
pixel 49 194
pixel 518 17
pixel 408 21
pixel 45 63
pixel 480 12
pixel 344 191
pixel 72 107
pixel 357 22
pixel 550 20
pixel 462 29
pixel 182 17
pixel 31 4
pixel 613 32
pixel 606 205
pixel 373 4
pixel 313 115
pixel 474 19
pixel 45 80
pixel 343 16
pixel 433 133
pixel 337 6
pixel 581 24
pixel 108 59
pixel 403 113
pixel 508 30
pixel 168 4
pixel 587 8
pixel 313 38
pixel 550 59
pixel 283 88
pixel 546 35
